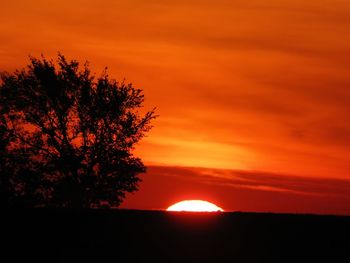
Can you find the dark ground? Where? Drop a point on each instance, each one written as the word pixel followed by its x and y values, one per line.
pixel 153 236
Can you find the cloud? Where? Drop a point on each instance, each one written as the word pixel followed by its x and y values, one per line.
pixel 261 181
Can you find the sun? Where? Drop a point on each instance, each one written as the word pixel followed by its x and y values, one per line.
pixel 194 206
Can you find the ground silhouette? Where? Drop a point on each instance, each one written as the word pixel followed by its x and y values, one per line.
pixel 67 136
pixel 156 236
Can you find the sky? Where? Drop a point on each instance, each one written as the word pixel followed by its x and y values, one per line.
pixel 253 96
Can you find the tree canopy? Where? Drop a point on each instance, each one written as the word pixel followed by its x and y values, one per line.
pixel 67 136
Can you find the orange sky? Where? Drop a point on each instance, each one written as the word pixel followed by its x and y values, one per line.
pixel 260 87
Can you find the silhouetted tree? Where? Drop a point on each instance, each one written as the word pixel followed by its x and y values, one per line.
pixel 67 137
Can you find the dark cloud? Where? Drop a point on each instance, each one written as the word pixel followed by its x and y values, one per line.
pixel 260 181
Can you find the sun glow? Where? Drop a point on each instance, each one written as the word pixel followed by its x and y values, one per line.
pixel 194 206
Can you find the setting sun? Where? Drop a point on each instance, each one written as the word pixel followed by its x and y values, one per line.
pixel 194 206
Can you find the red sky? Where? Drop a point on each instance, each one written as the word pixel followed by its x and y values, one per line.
pixel 257 92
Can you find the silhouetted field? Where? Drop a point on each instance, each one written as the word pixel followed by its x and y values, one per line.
pixel 136 236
